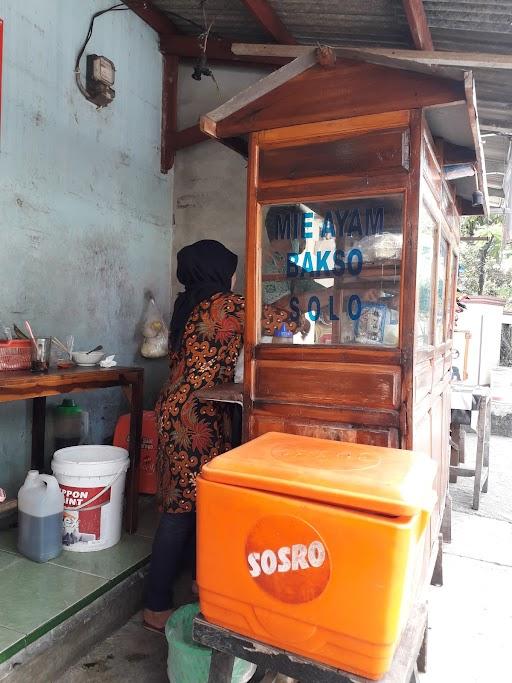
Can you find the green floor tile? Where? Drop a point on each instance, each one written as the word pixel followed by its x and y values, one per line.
pixel 130 552
pixel 10 642
pixel 6 559
pixel 32 594
pixel 8 540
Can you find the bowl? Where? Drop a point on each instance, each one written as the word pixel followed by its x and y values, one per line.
pixel 87 359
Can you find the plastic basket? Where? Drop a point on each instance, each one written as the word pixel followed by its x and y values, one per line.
pixel 15 355
pixel 189 662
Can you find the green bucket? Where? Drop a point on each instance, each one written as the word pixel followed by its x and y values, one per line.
pixel 189 662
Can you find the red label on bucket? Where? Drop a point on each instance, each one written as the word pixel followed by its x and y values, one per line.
pixel 82 526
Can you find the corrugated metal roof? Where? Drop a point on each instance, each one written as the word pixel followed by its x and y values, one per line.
pixel 349 22
pixel 461 25
pixel 230 18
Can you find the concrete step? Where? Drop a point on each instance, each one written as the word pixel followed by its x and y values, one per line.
pixel 55 652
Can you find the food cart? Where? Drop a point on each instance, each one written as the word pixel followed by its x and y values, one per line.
pixel 358 173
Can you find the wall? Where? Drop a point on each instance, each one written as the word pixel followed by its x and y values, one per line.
pixel 85 212
pixel 482 318
pixel 210 179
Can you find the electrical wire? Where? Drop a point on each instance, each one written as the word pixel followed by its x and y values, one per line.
pixel 120 7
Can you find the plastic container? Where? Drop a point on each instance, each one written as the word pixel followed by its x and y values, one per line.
pixel 40 507
pixel 15 354
pixel 71 424
pixel 92 480
pixel 282 335
pixel 327 546
pixel 189 662
pixel 41 353
pixel 148 448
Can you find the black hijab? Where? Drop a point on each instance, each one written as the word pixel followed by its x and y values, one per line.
pixel 205 268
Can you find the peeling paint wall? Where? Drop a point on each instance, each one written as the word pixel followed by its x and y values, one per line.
pixel 210 180
pixel 85 213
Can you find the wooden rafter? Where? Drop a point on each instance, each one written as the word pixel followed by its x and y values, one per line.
pixel 418 24
pixel 189 136
pixel 270 21
pixel 217 49
pixel 158 20
pixel 460 60
pixel 208 123
pixel 194 135
pixel 469 85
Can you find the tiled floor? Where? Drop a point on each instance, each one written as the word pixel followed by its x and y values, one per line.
pixel 34 597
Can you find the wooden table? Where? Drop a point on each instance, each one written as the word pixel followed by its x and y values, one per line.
pixel 478 400
pixel 410 656
pixel 24 385
pixel 229 392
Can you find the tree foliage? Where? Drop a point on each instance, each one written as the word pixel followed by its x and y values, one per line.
pixel 485 264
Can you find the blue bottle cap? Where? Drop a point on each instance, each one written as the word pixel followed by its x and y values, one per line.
pixel 283 331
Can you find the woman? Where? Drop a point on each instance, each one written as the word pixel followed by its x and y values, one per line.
pixel 205 341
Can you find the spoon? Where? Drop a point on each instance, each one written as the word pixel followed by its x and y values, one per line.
pixel 27 325
pixel 98 348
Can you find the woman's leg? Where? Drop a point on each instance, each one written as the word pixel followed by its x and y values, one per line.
pixel 172 536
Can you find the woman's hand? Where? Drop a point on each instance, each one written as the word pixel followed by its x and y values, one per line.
pixel 304 325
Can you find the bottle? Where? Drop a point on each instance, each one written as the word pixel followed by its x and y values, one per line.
pixel 71 424
pixel 282 335
pixel 40 513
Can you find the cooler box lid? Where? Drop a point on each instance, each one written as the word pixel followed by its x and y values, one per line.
pixel 372 478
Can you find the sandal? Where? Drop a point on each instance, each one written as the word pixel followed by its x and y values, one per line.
pixel 155 629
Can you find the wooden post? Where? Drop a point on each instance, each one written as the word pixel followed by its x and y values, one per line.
pixel 221 667
pixel 169 110
pixel 38 432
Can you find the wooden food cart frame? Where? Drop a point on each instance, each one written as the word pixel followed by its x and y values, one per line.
pixel 334 130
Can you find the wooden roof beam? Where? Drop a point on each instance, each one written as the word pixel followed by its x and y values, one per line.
pixel 193 135
pixel 418 24
pixel 460 60
pixel 217 49
pixel 158 20
pixel 270 21
pixel 469 86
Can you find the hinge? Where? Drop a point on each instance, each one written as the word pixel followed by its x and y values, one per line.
pixel 406 149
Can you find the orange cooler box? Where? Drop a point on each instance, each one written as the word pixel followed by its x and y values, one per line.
pixel 313 546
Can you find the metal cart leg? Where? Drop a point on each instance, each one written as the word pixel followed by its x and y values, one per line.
pixel 421 662
pixel 487 439
pixel 415 677
pixel 481 432
pixel 437 576
pixel 446 524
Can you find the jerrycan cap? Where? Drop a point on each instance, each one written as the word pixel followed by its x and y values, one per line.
pixel 69 407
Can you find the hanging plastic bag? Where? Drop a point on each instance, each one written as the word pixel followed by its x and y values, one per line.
pixel 155 333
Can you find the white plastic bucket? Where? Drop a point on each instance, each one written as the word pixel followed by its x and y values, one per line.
pixel 92 480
